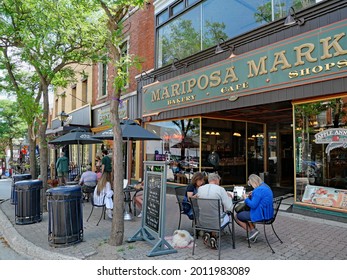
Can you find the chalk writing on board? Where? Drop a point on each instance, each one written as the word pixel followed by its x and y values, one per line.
pixel 154 182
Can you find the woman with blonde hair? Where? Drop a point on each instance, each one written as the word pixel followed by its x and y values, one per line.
pixel 103 193
pixel 260 204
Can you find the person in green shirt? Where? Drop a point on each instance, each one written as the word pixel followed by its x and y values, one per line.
pixel 106 163
pixel 62 166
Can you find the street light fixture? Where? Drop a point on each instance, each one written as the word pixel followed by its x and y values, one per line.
pixel 63 117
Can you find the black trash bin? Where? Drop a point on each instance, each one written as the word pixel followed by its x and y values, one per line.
pixel 28 208
pixel 65 226
pixel 17 178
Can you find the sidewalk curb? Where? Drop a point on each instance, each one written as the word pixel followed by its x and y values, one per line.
pixel 25 247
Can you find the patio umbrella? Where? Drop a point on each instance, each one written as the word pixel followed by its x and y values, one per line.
pixel 186 143
pixel 130 131
pixel 78 136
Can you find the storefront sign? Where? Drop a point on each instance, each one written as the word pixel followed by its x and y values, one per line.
pixel 334 137
pixel 104 114
pixel 302 59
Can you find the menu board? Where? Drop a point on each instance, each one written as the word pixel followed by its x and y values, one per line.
pixel 153 196
pixel 325 196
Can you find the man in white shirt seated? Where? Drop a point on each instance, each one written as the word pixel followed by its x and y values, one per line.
pixel 212 190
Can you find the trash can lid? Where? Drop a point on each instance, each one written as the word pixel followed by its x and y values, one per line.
pixel 28 184
pixel 17 177
pixel 64 190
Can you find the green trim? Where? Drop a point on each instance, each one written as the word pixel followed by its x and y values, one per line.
pixel 319 211
pixel 295 61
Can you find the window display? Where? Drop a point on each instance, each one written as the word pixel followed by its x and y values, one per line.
pixel 321 152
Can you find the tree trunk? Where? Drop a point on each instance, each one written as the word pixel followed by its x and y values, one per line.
pixel 11 151
pixel 32 156
pixel 43 144
pixel 117 232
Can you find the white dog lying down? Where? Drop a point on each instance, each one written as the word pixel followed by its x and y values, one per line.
pixel 181 238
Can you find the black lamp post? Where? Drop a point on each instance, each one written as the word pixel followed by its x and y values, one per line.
pixel 63 117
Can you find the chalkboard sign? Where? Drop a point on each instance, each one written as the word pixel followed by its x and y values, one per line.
pixel 154 206
pixel 154 184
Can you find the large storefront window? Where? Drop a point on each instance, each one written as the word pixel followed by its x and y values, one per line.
pixel 180 146
pixel 321 152
pixel 256 145
pixel 208 145
pixel 224 149
pixel 202 26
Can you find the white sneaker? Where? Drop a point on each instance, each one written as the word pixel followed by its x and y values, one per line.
pixel 109 213
pixel 139 215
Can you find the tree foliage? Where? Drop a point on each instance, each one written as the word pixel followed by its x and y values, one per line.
pixel 190 39
pixel 49 37
pixel 11 125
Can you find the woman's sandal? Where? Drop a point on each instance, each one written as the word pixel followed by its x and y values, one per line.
pixel 206 238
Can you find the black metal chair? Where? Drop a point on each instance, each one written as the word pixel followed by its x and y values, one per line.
pixel 276 204
pixel 134 198
pixel 208 216
pixel 103 206
pixel 180 194
pixel 87 191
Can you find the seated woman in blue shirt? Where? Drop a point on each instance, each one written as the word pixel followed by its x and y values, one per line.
pixel 260 202
pixel 197 181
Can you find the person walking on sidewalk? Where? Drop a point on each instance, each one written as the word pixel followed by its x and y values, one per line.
pixel 106 163
pixel 62 166
pixel 260 204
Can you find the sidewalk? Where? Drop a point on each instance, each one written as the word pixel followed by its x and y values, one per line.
pixel 303 238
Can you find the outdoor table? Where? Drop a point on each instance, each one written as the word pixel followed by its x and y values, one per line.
pixel 127 200
pixel 72 183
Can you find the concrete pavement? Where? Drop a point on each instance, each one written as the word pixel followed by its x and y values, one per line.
pixel 303 238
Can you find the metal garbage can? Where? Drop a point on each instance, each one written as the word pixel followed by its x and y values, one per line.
pixel 17 178
pixel 28 207
pixel 65 226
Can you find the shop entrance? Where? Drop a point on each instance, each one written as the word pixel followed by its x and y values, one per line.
pixel 280 160
pixel 278 165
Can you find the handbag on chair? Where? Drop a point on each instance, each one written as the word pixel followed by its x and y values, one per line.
pixel 241 206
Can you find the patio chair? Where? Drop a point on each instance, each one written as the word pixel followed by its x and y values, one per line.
pixel 180 194
pixel 87 191
pixel 276 204
pixel 133 200
pixel 103 206
pixel 207 217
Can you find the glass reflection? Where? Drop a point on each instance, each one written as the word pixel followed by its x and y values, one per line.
pixel 321 152
pixel 180 147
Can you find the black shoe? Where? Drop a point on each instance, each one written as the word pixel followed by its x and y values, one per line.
pixel 206 238
pixel 214 243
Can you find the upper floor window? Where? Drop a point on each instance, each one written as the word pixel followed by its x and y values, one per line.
pixel 102 79
pixel 84 91
pixel 177 8
pixel 187 27
pixel 124 49
pixel 74 97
